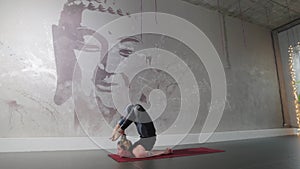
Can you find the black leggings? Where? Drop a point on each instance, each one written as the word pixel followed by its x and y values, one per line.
pixel 147 143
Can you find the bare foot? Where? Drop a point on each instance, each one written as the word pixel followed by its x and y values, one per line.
pixel 168 151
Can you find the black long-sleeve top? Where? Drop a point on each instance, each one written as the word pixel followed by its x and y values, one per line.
pixel 142 121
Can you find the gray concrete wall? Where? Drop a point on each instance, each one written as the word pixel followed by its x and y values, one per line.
pixel 253 93
pixel 28 77
pixel 253 100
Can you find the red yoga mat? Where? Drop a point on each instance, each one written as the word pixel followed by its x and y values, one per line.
pixel 176 153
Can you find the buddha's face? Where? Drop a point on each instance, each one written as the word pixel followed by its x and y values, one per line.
pixel 70 36
pixel 72 45
pixel 107 71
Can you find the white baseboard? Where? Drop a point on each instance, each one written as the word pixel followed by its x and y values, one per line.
pixel 84 143
pixel 250 134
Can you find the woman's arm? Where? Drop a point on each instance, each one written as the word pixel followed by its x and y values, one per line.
pixel 117 132
pixel 123 123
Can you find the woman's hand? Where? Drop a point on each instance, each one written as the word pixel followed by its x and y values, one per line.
pixel 117 132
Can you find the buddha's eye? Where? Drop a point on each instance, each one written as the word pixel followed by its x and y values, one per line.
pixel 125 52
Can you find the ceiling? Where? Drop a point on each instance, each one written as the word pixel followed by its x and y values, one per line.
pixel 267 13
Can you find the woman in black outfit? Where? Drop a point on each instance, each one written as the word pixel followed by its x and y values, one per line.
pixel 145 127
